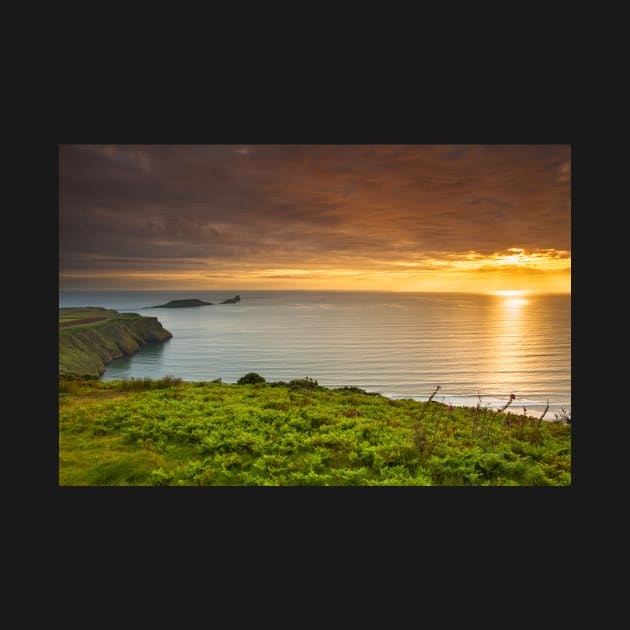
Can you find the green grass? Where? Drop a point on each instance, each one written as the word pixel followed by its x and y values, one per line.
pixel 72 313
pixel 169 432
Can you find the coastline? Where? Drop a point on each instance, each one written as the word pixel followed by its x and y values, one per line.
pixel 361 340
pixel 530 409
pixel 92 337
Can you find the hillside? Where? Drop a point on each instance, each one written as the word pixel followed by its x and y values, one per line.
pixel 91 337
pixel 169 432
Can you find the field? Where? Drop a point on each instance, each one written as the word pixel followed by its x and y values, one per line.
pixel 168 432
pixel 74 316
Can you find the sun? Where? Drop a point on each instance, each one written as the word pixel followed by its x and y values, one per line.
pixel 510 292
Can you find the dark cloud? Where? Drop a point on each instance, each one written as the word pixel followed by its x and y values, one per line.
pixel 135 207
pixel 455 153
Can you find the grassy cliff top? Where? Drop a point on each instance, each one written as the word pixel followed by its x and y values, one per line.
pixel 86 315
pixel 91 337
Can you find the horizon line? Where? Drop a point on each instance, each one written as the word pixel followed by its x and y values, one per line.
pixel 489 292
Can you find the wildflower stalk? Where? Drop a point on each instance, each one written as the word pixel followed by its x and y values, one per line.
pixel 476 413
pixel 419 439
pixel 437 427
pixel 544 413
pixel 424 408
pixel 484 435
pixel 508 403
pixel 482 421
pixel 433 394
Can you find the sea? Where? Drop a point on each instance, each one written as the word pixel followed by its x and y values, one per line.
pixel 464 348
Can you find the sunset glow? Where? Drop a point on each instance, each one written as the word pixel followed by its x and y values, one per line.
pixel 438 218
pixel 509 293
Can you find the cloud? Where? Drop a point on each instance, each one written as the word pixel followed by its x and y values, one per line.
pixel 288 205
pixel 277 276
pixel 455 153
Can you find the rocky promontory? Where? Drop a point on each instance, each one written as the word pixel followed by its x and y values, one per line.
pixel 92 337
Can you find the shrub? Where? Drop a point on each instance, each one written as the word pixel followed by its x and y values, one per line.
pixel 353 390
pixel 71 382
pixel 144 384
pixel 250 379
pixel 303 383
pixel 160 477
pixel 69 386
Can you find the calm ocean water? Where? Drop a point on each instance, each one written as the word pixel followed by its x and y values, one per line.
pixel 402 345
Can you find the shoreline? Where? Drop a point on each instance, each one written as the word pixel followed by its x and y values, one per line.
pixel 516 409
pixel 534 409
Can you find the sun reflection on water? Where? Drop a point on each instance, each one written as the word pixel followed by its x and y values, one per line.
pixel 515 302
pixel 512 299
pixel 508 326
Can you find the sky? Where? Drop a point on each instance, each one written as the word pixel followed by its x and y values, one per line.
pixel 455 218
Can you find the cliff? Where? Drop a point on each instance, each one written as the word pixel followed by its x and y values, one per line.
pixel 89 338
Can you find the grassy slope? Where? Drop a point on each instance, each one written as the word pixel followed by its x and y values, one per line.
pixel 85 349
pixel 172 433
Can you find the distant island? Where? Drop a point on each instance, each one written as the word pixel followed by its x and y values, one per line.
pixel 182 303
pixel 191 302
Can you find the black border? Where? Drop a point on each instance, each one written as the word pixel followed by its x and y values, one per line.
pixel 492 515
